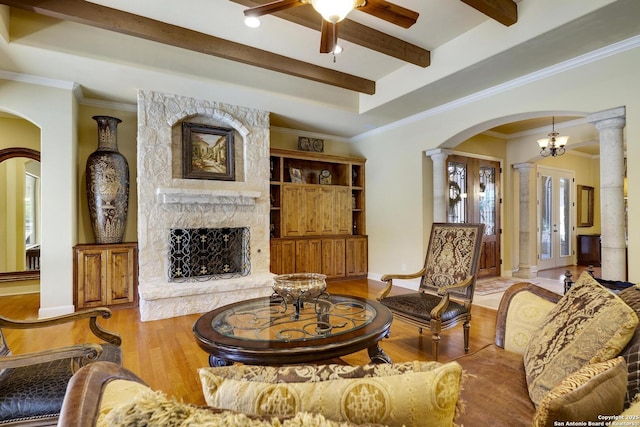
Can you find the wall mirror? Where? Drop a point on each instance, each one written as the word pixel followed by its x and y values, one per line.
pixel 585 206
pixel 19 179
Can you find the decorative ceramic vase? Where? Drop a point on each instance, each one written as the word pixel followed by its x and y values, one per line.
pixel 107 177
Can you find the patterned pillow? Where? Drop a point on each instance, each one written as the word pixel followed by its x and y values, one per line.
pixel 316 373
pixel 413 398
pixel 525 315
pixel 587 395
pixel 153 408
pixel 589 324
pixel 631 352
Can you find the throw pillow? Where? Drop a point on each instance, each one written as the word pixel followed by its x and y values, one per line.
pixel 593 391
pixel 153 408
pixel 526 313
pixel 428 398
pixel 315 373
pixel 589 324
pixel 631 352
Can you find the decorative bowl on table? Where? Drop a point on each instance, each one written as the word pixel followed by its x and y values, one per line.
pixel 297 288
pixel 300 286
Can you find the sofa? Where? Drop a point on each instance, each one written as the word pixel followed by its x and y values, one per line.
pixel 556 360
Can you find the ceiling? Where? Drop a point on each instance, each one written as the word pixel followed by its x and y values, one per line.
pixel 201 48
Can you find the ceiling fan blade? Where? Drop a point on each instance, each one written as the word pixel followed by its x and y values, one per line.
pixel 328 37
pixel 275 6
pixel 390 12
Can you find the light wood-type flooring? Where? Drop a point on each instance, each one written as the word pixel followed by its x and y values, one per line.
pixel 164 352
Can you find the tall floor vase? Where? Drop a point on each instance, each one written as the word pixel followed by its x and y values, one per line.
pixel 107 178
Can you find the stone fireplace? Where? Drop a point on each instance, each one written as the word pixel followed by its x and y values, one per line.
pixel 167 202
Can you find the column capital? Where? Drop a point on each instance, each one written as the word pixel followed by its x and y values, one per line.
pixel 614 123
pixel 524 167
pixel 438 152
pixel 613 118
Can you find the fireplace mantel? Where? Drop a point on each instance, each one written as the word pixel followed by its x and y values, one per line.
pixel 187 196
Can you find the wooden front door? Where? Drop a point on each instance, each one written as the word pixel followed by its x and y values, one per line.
pixel 474 197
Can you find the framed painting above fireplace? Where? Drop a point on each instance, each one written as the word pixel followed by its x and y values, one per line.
pixel 207 152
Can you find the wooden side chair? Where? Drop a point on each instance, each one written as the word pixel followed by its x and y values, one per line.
pixel 447 282
pixel 33 385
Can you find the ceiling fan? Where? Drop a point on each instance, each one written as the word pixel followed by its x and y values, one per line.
pixel 334 11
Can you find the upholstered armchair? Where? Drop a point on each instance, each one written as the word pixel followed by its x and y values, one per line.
pixel 447 282
pixel 33 385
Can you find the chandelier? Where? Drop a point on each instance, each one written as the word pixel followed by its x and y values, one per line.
pixel 554 145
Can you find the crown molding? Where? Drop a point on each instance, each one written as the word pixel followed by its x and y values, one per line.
pixel 578 61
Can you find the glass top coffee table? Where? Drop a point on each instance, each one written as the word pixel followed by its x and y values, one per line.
pixel 266 331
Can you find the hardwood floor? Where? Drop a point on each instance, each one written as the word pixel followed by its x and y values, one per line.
pixel 165 354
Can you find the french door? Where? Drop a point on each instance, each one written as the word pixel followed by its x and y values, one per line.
pixel 474 197
pixel 555 231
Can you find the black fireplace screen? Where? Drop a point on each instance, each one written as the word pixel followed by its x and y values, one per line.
pixel 208 253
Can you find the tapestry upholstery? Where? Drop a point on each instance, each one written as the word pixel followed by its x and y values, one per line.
pixel 631 352
pixel 526 313
pixel 593 391
pixel 423 398
pixel 589 324
pixel 450 259
pixel 317 373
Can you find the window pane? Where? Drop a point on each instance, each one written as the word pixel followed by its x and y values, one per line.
pixel 546 210
pixel 488 199
pixel 457 212
pixel 30 210
pixel 564 230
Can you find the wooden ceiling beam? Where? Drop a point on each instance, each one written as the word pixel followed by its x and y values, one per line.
pixel 503 11
pixel 354 32
pixel 110 19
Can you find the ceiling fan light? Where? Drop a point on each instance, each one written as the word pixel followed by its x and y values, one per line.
pixel 337 49
pixel 333 10
pixel 252 22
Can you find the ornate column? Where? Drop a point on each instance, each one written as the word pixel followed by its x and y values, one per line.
pixel 527 266
pixel 610 124
pixel 440 185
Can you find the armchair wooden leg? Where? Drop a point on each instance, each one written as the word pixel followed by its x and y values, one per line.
pixel 435 344
pixel 466 326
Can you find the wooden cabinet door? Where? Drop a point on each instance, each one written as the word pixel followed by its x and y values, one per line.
pixel 309 210
pixel 333 257
pixel 357 256
pixel 291 210
pixel 122 269
pixel 275 257
pixel 326 210
pixel 308 256
pixel 91 277
pixel 283 256
pixel 343 215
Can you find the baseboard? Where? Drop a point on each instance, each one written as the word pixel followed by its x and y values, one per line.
pixel 19 288
pixel 413 284
pixel 44 313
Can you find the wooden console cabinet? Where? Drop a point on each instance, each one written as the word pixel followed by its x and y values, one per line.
pixel 589 249
pixel 105 275
pixel 318 214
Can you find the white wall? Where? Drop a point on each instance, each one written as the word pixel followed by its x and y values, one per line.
pixel 399 179
pixel 53 110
